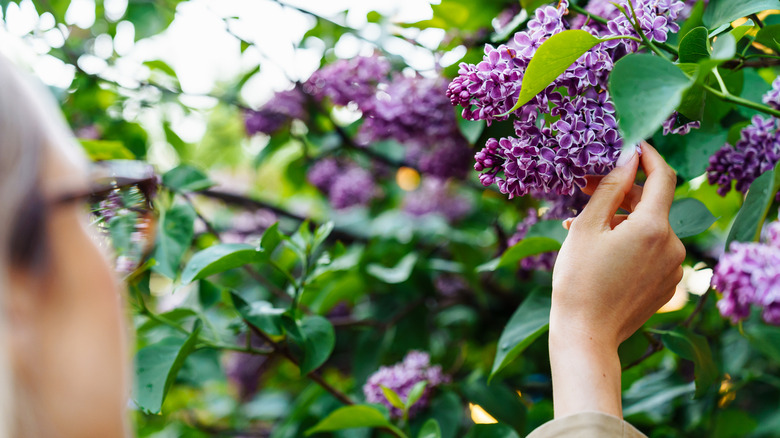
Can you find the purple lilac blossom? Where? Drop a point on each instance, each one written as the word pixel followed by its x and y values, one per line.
pixel 401 377
pixel 346 184
pixel 757 151
pixel 554 157
pixel 349 80
pixel 415 111
pixel 749 275
pixel 436 196
pixel 682 129
pixel 277 113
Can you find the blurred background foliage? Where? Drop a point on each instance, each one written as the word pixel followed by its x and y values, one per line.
pixel 174 82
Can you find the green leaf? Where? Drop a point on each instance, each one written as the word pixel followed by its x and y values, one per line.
pixel 528 247
pixel 350 417
pixel 186 178
pixel 156 367
pixel 260 314
pixel 693 47
pixel 430 429
pixel 208 293
pixel 769 36
pixel 392 397
pixel 321 233
pixel 415 393
pixel 271 239
pixel 552 58
pixel 397 274
pixel 219 258
pixel 739 32
pixel 492 431
pixel 161 66
pixel 694 20
pixel 720 12
pixel 173 239
pixel 764 338
pixel 102 150
pixel 551 229
pixel 314 338
pixel 694 347
pixel 646 89
pixel 750 218
pixel 724 48
pixel 689 217
pixel 471 129
pixel 529 321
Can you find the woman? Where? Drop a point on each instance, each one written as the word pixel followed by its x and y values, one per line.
pixel 65 370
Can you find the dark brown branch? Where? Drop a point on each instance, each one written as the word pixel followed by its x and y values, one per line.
pixel 254 204
pixel 654 347
pixel 340 396
pixel 697 309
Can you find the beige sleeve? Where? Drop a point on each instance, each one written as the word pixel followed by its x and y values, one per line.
pixel 587 425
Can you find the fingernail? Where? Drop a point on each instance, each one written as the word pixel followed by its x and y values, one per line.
pixel 625 156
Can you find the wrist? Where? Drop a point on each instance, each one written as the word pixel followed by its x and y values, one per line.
pixel 585 372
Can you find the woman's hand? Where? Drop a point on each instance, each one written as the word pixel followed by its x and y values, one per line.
pixel 612 274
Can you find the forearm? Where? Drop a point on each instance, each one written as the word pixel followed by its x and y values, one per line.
pixel 585 373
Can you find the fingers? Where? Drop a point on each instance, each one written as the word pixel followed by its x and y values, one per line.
pixel 616 220
pixel 629 203
pixel 658 191
pixel 610 193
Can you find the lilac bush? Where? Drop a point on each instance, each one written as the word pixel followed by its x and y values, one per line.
pixel 277 113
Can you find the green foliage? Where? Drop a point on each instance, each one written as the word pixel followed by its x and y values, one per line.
pixel 217 259
pixel 156 367
pixel 311 340
pixel 694 347
pixel 720 12
pixel 529 321
pixel 350 417
pixel 646 90
pixel 689 217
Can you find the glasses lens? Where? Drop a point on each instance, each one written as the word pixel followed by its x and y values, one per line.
pixel 125 220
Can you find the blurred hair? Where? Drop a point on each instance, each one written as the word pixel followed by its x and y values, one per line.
pixel 29 120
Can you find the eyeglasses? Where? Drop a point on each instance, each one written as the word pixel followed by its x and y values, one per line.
pixel 120 207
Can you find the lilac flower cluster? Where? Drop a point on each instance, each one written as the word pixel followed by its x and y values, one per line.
pixel 346 184
pixel 757 151
pixel 349 81
pixel 749 275
pixel 436 196
pixel 277 113
pixel 554 157
pixel 401 378
pixel 415 111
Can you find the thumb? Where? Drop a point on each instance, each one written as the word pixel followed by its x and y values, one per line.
pixel 611 191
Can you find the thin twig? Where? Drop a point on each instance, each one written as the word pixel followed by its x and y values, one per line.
pixel 311 375
pixel 697 309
